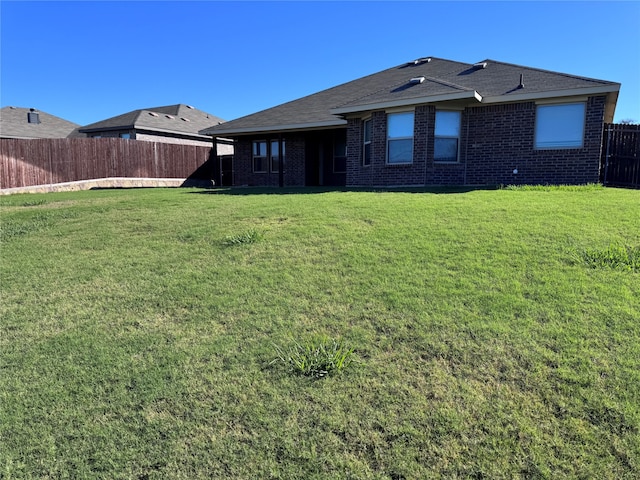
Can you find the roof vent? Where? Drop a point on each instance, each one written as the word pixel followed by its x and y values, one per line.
pixel 521 84
pixel 184 119
pixel 189 106
pixel 420 61
pixel 415 80
pixel 33 116
pixel 170 116
pixel 480 65
pixel 154 114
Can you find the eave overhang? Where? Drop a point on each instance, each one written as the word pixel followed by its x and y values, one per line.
pixel 524 95
pixel 406 102
pixel 293 127
pixel 198 135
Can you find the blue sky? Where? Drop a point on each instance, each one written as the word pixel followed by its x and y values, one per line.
pixel 87 61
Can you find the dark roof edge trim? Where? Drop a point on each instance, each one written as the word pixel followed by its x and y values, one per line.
pixel 105 129
pixel 213 131
pixel 198 135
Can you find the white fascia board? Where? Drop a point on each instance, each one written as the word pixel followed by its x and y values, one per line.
pixel 574 92
pixel 407 102
pixel 275 128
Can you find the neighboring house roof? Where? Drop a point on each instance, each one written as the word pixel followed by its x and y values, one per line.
pixel 15 123
pixel 425 80
pixel 174 119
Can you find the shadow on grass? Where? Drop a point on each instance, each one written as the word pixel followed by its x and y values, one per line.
pixel 313 190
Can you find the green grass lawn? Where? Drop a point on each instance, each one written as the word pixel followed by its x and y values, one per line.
pixel 139 327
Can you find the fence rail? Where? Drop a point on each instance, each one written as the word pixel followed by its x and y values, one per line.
pixel 620 163
pixel 25 163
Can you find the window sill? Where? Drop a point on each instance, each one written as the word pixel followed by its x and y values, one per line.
pixel 546 149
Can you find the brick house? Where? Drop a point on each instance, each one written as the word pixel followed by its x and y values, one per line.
pixel 177 124
pixel 430 122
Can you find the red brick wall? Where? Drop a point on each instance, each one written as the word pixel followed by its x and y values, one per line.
pixel 501 139
pixel 495 140
pixel 294 172
pixel 379 173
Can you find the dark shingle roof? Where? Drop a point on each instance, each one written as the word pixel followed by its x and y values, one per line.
pixel 180 119
pixel 443 80
pixel 14 123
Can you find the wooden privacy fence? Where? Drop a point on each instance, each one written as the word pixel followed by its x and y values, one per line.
pixel 25 163
pixel 620 163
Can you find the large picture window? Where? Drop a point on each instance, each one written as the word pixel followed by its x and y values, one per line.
pixel 260 156
pixel 560 126
pixel 400 137
pixel 366 147
pixel 447 136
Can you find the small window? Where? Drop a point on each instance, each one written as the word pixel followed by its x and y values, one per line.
pixel 275 155
pixel 400 138
pixel 126 136
pixel 447 136
pixel 340 154
pixel 366 135
pixel 260 157
pixel 560 126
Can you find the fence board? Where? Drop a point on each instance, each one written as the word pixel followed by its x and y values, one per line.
pixel 27 163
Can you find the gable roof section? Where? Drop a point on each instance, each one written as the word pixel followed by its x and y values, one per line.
pixel 175 119
pixel 488 81
pixel 14 123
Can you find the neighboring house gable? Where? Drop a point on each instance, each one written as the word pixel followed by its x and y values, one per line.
pixel 430 122
pixel 169 124
pixel 29 123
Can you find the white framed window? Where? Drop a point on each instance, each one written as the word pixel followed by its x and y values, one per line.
pixel 366 142
pixel 260 156
pixel 275 155
pixel 560 126
pixel 400 137
pixel 446 144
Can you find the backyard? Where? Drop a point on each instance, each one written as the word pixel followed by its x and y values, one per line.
pixel 495 333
